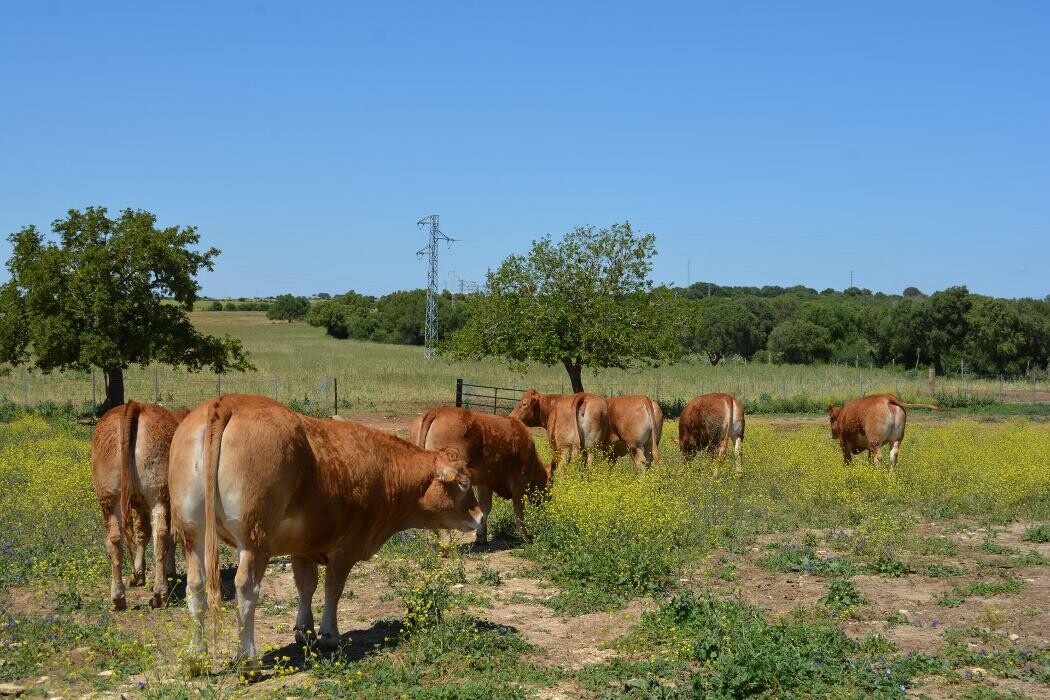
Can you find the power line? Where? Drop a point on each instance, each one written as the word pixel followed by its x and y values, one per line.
pixel 430 327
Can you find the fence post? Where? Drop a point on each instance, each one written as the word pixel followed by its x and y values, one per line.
pixel 931 380
pixel 459 393
pixel 335 393
pixel 25 388
pixel 1000 387
pixel 275 385
pixel 218 383
pixel 495 399
pixel 156 385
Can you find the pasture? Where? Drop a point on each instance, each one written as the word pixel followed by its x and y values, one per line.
pixel 294 360
pixel 799 577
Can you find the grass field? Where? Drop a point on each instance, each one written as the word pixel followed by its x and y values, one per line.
pixel 798 578
pixel 294 360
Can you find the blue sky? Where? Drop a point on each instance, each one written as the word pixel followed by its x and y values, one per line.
pixel 763 143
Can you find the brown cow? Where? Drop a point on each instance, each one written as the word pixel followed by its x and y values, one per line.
pixel 869 423
pixel 709 422
pixel 500 453
pixel 269 481
pixel 635 426
pixel 129 467
pixel 572 421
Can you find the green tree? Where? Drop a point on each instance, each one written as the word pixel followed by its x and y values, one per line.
pixel 585 301
pixel 997 336
pixel 288 307
pixel 215 306
pixel 799 341
pixel 721 326
pixel 96 298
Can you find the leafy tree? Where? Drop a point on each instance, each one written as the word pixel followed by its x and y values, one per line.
pixel 350 315
pixel 96 298
pixel 215 306
pixel 799 341
pixel 287 307
pixel 585 301
pixel 324 295
pixel 912 292
pixel 996 338
pixel 947 328
pixel 721 326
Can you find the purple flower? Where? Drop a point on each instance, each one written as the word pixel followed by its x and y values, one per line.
pixel 934 623
pixel 142 684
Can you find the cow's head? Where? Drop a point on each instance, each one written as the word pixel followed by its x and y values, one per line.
pixel 528 409
pixel 833 416
pixel 448 502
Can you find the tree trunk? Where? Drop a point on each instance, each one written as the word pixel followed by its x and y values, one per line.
pixel 114 388
pixel 575 370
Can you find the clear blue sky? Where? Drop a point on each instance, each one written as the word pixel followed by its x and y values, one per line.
pixel 765 143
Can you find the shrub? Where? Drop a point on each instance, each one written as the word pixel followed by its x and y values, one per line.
pixel 1037 533
pixel 606 527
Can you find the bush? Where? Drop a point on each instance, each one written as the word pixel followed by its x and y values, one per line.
pixel 609 529
pixel 1037 533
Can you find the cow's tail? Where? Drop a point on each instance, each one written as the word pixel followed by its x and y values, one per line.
pixel 128 435
pixel 903 404
pixel 424 427
pixel 579 406
pixel 218 417
pixel 656 427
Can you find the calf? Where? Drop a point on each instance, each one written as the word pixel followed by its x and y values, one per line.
pixel 129 467
pixel 709 422
pixel 572 421
pixel 869 423
pixel 258 476
pixel 500 454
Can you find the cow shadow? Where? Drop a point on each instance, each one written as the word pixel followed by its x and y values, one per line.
pixel 353 646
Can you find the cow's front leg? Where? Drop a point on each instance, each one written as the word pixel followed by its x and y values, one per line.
pixel 334 582
pixel 304 571
pixel 894 450
pixel 481 538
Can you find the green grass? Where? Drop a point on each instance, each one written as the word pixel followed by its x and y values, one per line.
pixel 294 359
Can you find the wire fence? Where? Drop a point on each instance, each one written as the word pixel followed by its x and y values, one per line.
pixel 320 393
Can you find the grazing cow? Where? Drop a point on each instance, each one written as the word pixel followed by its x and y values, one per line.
pixel 269 481
pixel 635 426
pixel 500 453
pixel 572 421
pixel 129 467
pixel 709 422
pixel 869 423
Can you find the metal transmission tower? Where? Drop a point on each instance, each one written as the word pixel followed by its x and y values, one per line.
pixel 430 329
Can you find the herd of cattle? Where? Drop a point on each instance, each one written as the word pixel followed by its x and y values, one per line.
pixel 268 481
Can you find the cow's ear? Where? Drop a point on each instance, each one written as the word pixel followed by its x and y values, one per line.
pixel 450 475
pixel 452 453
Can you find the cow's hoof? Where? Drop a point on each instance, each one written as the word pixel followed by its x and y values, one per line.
pixel 156 601
pixel 305 636
pixel 328 642
pixel 138 580
pixel 120 603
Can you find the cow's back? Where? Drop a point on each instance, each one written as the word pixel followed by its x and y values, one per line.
pixel 705 420
pixel 149 441
pixel 871 420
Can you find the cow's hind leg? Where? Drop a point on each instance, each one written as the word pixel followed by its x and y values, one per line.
pixel 894 451
pixel 640 461
pixel 162 552
pixel 481 538
pixel 115 552
pixel 304 571
pixel 251 566
pixel 738 448
pixel 141 525
pixel 334 582
pixel 193 548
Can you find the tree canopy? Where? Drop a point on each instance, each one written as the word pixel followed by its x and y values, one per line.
pixel 288 307
pixel 111 292
pixel 585 301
